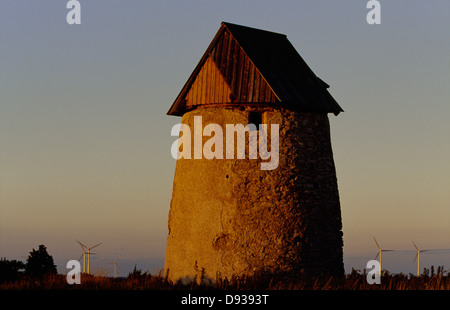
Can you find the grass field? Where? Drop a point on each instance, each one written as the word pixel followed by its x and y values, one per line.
pixel 428 280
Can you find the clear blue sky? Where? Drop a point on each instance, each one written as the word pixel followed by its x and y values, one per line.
pixel 85 140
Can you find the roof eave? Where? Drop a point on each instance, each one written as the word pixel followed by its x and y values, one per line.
pixel 177 104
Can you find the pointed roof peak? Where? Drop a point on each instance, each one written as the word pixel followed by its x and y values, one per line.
pixel 235 27
pixel 259 67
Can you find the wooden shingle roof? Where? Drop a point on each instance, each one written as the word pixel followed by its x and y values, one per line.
pixel 244 65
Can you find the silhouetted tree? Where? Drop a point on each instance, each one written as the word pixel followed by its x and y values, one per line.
pixel 40 263
pixel 10 269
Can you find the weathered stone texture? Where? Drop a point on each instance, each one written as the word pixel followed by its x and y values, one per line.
pixel 228 217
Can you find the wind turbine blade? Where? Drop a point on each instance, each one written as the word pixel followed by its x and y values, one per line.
pixel 377 243
pixel 415 245
pixel 95 246
pixel 388 250
pixel 377 255
pixel 82 246
pixel 81 256
pixel 415 257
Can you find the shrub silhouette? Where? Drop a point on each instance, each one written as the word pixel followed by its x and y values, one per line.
pixel 10 269
pixel 40 263
pixel 137 274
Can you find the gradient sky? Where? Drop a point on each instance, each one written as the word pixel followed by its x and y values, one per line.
pixel 85 140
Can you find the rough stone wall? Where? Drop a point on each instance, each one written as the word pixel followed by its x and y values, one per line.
pixel 228 217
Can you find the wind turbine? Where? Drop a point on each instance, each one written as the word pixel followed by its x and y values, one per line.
pixel 88 253
pixel 83 255
pixel 115 267
pixel 418 257
pixel 380 252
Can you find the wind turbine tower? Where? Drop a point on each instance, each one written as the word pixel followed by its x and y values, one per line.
pixel 115 267
pixel 380 252
pixel 418 257
pixel 83 256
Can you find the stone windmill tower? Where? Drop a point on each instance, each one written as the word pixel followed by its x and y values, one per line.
pixel 227 216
